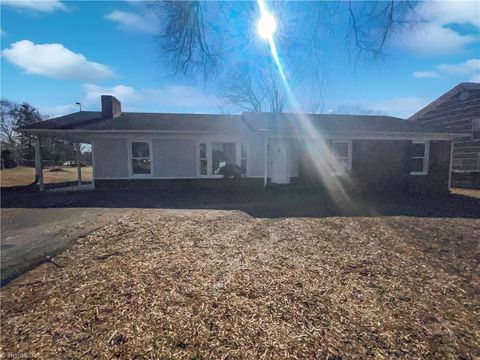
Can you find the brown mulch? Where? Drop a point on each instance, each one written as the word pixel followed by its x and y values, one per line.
pixel 220 284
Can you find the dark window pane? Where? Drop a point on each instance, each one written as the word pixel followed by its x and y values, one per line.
pixel 244 166
pixel 416 165
pixel 141 166
pixel 418 150
pixel 140 149
pixel 203 167
pixel 203 151
pixel 243 150
pixel 340 149
pixel 222 154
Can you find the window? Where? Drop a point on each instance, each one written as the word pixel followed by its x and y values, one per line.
pixel 213 156
pixel 475 129
pixel 243 157
pixel 419 158
pixel 203 159
pixel 342 156
pixel 141 161
pixel 222 154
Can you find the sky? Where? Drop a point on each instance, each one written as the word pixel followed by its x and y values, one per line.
pixel 57 53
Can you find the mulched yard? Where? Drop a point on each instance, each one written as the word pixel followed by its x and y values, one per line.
pixel 221 284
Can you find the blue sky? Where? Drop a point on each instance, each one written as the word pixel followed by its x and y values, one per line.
pixel 57 53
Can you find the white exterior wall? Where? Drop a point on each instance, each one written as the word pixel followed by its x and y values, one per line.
pixel 256 156
pixel 110 159
pixel 172 156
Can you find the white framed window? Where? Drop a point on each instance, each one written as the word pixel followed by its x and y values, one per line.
pixel 419 158
pixel 223 153
pixel 214 155
pixel 140 158
pixel 203 160
pixel 475 129
pixel 342 156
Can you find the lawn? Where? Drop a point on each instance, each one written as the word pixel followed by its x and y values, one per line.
pixel 193 284
pixel 21 176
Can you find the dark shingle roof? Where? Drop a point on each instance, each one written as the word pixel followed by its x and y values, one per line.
pixel 331 123
pixel 285 122
pixel 92 120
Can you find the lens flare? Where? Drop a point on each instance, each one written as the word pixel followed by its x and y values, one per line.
pixel 266 26
pixel 312 144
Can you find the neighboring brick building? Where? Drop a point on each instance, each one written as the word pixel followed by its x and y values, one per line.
pixel 458 110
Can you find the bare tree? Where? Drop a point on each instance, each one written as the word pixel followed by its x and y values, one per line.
pixel 192 32
pixel 246 91
pixel 8 123
pixel 185 39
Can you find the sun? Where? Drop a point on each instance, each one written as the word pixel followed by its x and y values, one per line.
pixel 266 26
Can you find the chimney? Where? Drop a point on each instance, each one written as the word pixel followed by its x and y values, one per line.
pixel 111 107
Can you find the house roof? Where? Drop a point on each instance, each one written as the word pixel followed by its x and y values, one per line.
pixel 93 121
pixel 465 86
pixel 292 123
pixel 331 123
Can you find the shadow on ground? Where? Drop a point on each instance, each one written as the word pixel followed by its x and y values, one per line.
pixel 271 203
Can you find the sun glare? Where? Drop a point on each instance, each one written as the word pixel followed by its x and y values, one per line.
pixel 266 26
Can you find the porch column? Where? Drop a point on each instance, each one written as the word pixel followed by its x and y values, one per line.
pixel 38 164
pixel 79 166
pixel 265 163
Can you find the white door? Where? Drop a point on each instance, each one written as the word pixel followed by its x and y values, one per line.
pixel 279 163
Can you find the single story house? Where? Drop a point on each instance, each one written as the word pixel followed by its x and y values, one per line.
pixel 458 110
pixel 375 153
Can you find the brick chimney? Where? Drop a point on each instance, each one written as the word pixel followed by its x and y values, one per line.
pixel 111 107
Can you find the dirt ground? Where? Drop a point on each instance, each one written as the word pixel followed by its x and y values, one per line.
pixel 29 236
pixel 195 284
pixel 22 176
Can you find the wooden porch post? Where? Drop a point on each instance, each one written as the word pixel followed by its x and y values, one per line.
pixel 79 166
pixel 38 164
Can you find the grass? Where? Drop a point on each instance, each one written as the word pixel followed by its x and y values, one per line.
pixel 21 176
pixel 221 284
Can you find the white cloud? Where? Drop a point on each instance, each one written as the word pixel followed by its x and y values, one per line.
pixel 55 111
pixel 425 74
pixel 176 98
pixel 55 61
pixel 434 39
pixel 126 94
pixel 468 70
pixel 39 6
pixel 450 12
pixel 431 33
pixel 131 21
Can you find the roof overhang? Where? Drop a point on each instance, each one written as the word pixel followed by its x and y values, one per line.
pixel 377 135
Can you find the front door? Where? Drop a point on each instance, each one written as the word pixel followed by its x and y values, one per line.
pixel 279 163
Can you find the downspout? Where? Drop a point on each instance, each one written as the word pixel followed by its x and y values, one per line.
pixel 265 157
